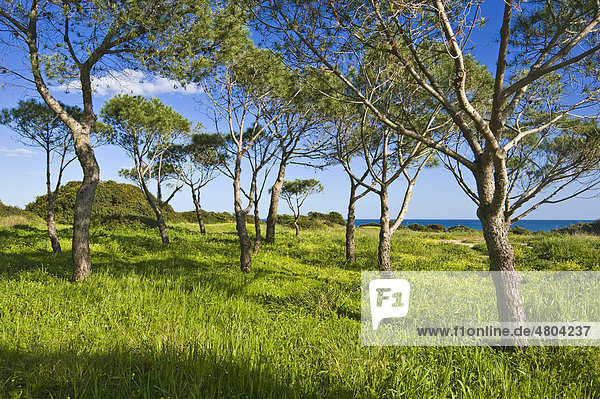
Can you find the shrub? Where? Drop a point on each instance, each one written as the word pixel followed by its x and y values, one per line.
pixel 427 228
pixel 519 231
pixel 581 228
pixel 114 203
pixel 461 229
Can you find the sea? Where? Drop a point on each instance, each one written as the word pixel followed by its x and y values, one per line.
pixel 531 224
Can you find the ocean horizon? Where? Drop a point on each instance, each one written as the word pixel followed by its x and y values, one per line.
pixel 531 224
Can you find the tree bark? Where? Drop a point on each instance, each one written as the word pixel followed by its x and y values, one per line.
pixel 84 201
pixel 240 219
pixel 490 179
pixel 196 200
pixel 296 225
pixel 384 248
pixel 160 220
pixel 200 218
pixel 256 229
pixel 52 234
pixel 350 226
pixel 162 227
pixel 275 193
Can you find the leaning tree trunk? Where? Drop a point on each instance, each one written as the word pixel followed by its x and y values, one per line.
pixel 52 234
pixel 200 218
pixel 256 229
pixel 160 220
pixel 84 200
pixel 296 225
pixel 350 245
pixel 275 193
pixel 162 226
pixel 240 219
pixel 384 248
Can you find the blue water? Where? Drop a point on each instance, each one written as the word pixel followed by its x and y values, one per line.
pixel 532 225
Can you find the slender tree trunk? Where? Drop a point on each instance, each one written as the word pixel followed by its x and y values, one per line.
pixel 275 193
pixel 200 219
pixel 240 220
pixel 162 227
pixel 296 225
pixel 384 248
pixel 160 220
pixel 196 200
pixel 84 200
pixel 350 226
pixel 52 234
pixel 256 229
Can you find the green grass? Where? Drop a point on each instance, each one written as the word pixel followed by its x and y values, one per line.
pixel 182 321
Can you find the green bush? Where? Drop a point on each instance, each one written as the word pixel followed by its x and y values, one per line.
pixel 519 231
pixel 581 228
pixel 114 203
pixel 209 217
pixel 461 229
pixel 427 228
pixel 330 218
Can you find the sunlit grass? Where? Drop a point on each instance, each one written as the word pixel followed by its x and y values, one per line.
pixel 182 321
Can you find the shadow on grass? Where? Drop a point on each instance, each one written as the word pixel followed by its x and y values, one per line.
pixel 147 373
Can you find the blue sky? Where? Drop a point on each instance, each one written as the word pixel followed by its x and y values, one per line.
pixel 436 194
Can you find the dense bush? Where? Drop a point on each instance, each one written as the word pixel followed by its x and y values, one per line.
pixel 209 217
pixel 581 228
pixel 114 203
pixel 332 217
pixel 314 220
pixel 461 229
pixel 519 231
pixel 427 228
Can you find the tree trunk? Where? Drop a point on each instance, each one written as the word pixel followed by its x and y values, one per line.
pixel 162 227
pixel 84 200
pixel 275 193
pixel 240 219
pixel 196 200
pixel 160 220
pixel 491 185
pixel 200 219
pixel 245 244
pixel 256 229
pixel 296 225
pixel 52 234
pixel 350 245
pixel 384 248
pixel 508 282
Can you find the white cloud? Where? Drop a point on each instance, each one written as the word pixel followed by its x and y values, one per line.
pixel 16 152
pixel 133 82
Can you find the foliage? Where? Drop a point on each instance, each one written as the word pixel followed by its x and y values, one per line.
pixel 115 203
pixel 13 216
pixel 581 228
pixel 428 227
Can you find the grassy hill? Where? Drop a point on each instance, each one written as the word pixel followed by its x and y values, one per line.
pixel 114 203
pixel 182 321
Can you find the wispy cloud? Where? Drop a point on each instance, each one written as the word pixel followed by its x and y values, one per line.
pixel 16 152
pixel 133 82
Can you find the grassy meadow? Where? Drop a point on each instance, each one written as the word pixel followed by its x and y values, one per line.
pixel 182 322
